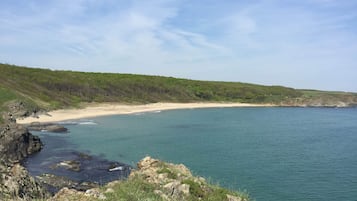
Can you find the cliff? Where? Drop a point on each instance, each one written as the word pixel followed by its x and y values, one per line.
pixel 16 143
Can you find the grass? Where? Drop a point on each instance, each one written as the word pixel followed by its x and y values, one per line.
pixel 135 189
pixel 50 89
pixel 170 174
pixel 67 88
pixel 195 189
pixel 5 96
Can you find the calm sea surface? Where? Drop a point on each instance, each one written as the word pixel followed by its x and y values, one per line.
pixel 275 154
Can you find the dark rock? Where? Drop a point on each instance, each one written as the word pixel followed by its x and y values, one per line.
pixel 49 127
pixel 17 143
pixel 72 165
pixel 55 183
pixel 56 129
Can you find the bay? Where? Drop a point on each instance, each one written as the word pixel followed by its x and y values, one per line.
pixel 275 154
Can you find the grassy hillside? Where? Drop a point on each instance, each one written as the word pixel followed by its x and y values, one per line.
pixel 66 88
pixel 49 89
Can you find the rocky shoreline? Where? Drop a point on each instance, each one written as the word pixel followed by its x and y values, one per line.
pixel 163 181
pixel 17 144
pixel 73 169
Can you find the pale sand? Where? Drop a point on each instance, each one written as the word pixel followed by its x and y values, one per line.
pixel 95 110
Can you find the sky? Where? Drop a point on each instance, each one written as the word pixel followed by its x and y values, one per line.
pixel 301 44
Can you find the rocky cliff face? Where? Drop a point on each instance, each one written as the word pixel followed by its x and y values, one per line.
pixel 17 184
pixel 16 143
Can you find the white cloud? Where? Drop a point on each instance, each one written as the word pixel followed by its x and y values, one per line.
pixel 269 41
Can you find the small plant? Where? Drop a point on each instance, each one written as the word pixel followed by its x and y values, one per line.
pixel 135 189
pixel 170 174
pixel 195 188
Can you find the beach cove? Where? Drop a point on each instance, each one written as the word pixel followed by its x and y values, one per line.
pixel 274 153
pixel 106 109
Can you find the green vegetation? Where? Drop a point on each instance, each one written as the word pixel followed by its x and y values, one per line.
pixel 195 188
pixel 54 89
pixel 5 96
pixel 48 89
pixel 170 174
pixel 135 189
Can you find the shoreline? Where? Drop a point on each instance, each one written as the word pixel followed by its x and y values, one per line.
pixel 108 109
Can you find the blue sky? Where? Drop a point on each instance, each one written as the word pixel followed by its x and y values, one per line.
pixel 301 44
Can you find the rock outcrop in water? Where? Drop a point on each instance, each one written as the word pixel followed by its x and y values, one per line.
pixel 17 143
pixel 49 127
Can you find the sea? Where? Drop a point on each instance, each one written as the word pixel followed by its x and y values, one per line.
pixel 272 153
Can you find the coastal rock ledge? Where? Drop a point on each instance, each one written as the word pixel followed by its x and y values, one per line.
pixel 155 180
pixel 16 143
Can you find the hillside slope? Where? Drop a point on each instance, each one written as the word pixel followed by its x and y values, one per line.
pixel 62 88
pixel 47 89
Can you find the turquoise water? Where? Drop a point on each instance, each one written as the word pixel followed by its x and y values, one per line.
pixel 275 154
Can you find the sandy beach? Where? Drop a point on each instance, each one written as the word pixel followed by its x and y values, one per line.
pixel 95 110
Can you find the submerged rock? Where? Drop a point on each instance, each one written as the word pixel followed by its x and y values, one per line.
pixel 85 156
pixel 72 165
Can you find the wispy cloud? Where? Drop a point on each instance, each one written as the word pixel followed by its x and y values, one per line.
pixel 266 41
